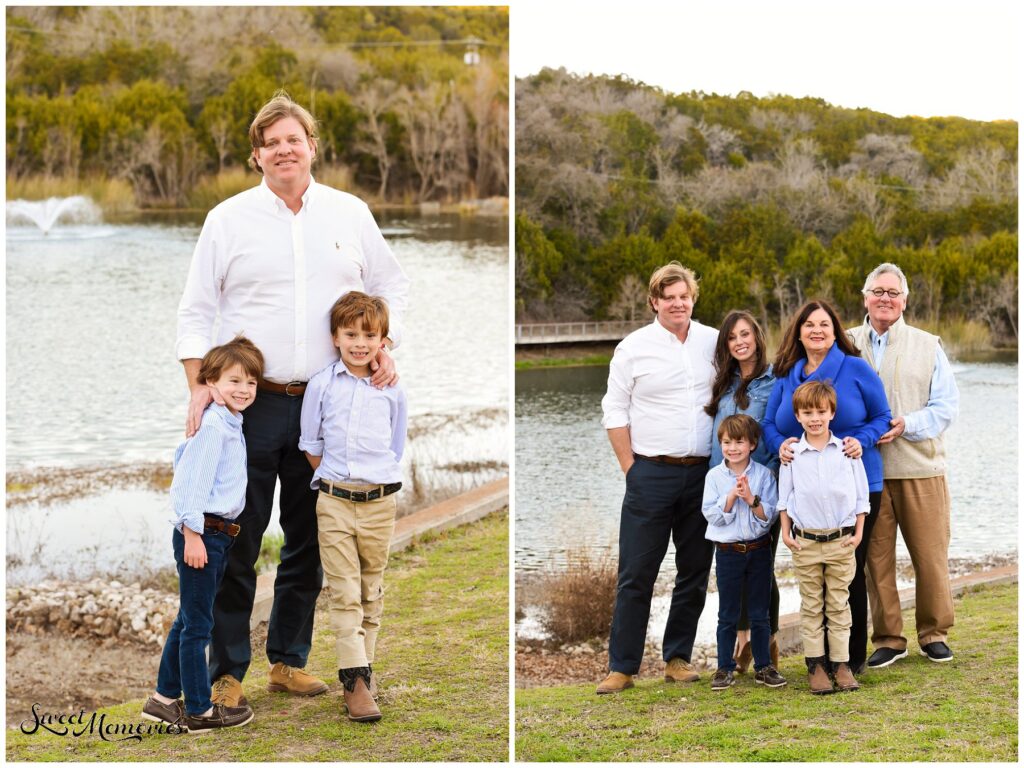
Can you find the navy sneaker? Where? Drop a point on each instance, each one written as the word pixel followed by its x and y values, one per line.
pixel 883 657
pixel 937 651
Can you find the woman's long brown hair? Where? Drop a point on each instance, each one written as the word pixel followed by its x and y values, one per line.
pixel 727 367
pixel 792 349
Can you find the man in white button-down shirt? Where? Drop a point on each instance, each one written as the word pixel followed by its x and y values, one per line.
pixel 270 262
pixel 658 384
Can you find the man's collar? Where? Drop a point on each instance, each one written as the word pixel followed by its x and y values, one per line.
pixel 272 198
pixel 665 333
pixel 874 335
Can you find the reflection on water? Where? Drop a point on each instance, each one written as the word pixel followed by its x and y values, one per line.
pixel 92 379
pixel 569 487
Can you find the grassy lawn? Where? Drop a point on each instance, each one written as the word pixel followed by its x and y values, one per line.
pixel 443 664
pixel 563 362
pixel 916 710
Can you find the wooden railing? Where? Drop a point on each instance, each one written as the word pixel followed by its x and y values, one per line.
pixel 568 333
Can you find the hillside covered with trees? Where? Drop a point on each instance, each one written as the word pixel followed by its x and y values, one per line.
pixel 412 102
pixel 771 200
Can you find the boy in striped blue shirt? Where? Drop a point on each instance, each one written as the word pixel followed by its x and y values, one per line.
pixel 208 493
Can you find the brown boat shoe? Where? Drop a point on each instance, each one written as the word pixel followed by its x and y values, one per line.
pixel 294 681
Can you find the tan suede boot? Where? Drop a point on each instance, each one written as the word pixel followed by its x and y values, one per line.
pixel 361 706
pixel 616 682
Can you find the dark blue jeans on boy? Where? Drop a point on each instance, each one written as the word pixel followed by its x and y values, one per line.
pixel 183 663
pixel 732 570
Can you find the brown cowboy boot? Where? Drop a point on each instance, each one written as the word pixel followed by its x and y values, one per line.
pixel 818 678
pixel 361 706
pixel 845 681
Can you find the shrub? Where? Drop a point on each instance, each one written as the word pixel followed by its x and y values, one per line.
pixel 579 600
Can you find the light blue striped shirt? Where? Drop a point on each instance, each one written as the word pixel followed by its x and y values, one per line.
pixel 739 523
pixel 822 490
pixel 359 430
pixel 210 470
pixel 943 397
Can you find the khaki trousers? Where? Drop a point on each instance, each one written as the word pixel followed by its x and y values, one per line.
pixel 354 542
pixel 920 508
pixel 824 571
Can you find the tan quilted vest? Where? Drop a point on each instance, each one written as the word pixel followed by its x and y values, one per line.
pixel 906 372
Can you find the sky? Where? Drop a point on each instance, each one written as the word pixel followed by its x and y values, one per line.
pixel 901 57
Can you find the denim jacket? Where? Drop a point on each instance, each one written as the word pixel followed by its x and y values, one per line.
pixel 757 391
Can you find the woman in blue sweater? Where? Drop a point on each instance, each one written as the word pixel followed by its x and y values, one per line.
pixel 743 382
pixel 815 347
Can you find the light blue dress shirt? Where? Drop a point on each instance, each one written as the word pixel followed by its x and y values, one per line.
pixel 758 392
pixel 359 430
pixel 822 490
pixel 943 397
pixel 739 523
pixel 210 470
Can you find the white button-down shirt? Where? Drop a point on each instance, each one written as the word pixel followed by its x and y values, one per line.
pixel 273 276
pixel 359 430
pixel 658 387
pixel 822 490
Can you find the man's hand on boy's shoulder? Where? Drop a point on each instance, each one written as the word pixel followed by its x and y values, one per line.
pixel 201 397
pixel 383 367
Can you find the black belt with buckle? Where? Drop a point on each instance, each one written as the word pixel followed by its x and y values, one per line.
pixel 743 546
pixel 371 495
pixel 215 523
pixel 823 537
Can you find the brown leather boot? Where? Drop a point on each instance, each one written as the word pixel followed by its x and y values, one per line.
pixel 361 706
pixel 773 649
pixel 845 681
pixel 616 682
pixel 818 678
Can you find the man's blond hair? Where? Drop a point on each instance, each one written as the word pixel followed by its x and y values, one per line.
pixel 278 108
pixel 670 274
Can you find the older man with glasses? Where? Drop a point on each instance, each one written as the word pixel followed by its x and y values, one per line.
pixel 924 399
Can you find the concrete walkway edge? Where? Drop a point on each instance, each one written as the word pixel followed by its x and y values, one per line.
pixel 461 510
pixel 789 625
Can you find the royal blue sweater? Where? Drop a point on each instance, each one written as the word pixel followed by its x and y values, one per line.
pixel 862 410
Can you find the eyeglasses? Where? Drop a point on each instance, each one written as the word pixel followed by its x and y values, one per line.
pixel 878 293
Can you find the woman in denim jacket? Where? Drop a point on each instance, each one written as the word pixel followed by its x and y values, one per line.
pixel 743 382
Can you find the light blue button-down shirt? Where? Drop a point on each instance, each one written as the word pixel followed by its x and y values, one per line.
pixel 359 430
pixel 822 490
pixel 739 523
pixel 210 471
pixel 943 396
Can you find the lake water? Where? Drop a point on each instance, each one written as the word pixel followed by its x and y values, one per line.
pixel 92 379
pixel 568 485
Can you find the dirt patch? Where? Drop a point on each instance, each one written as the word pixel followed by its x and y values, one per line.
pixel 64 674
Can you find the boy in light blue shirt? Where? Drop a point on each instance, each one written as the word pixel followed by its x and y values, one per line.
pixel 823 501
pixel 354 435
pixel 739 504
pixel 208 493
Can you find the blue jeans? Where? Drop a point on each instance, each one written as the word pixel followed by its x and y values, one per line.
pixel 736 571
pixel 183 663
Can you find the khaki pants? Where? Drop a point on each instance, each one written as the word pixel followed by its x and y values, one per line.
pixel 354 542
pixel 824 571
pixel 920 508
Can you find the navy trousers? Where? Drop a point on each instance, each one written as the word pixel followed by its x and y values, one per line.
pixel 662 501
pixel 271 428
pixel 744 575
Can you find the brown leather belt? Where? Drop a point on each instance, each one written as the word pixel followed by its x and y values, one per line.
pixel 743 546
pixel 214 523
pixel 292 388
pixel 688 461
